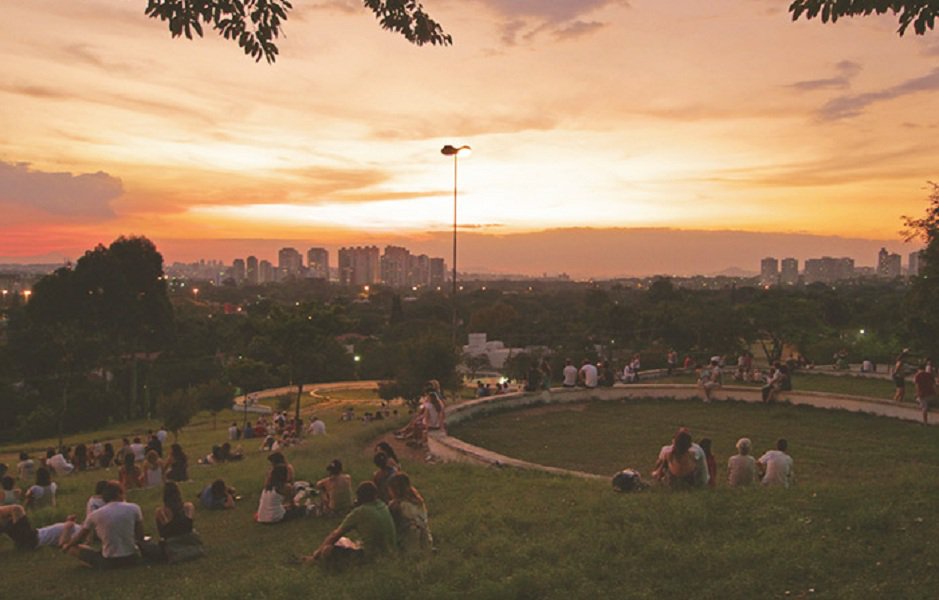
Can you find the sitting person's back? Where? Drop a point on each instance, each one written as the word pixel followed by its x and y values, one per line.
pixel 336 489
pixel 741 467
pixel 371 519
pixel 9 493
pixel 42 494
pixel 410 515
pixel 175 517
pixel 217 496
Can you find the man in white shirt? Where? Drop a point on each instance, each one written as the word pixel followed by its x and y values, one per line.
pixel 233 432
pixel 776 465
pixel 119 526
pixel 570 374
pixel 138 449
pixel 162 434
pixel 59 464
pixel 588 375
pixel 317 427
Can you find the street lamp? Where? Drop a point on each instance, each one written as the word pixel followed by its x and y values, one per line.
pixel 449 150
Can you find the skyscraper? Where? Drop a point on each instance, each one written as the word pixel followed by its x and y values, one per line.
pixel 289 262
pixel 769 271
pixel 828 269
pixel 265 272
pixel 359 265
pixel 888 265
pixel 913 269
pixel 789 273
pixel 251 272
pixel 238 270
pixel 394 266
pixel 438 272
pixel 317 263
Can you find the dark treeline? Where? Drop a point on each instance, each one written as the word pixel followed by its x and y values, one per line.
pixel 107 339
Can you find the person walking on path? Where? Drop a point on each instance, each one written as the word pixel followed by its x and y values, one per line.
pixel 899 379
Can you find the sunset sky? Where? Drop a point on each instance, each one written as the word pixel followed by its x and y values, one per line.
pixel 718 116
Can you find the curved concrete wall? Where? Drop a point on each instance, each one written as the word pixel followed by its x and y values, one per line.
pixel 449 448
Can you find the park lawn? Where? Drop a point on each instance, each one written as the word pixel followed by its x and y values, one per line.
pixel 816 382
pixel 508 534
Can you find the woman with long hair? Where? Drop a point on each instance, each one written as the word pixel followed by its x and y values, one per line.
pixel 177 464
pixel 41 494
pixel 276 503
pixel 410 515
pixel 129 474
pixel 174 517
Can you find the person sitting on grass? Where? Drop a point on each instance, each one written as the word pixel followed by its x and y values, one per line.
pixel 705 444
pixel 410 515
pixel 741 467
pixel 152 470
pixel 106 457
pixel 57 461
pixel 776 465
pixel 229 455
pixel 371 519
pixel 96 500
pixel 385 447
pixel 9 493
pixel 15 524
pixel 276 502
pixel 278 458
pixel 381 476
pixel 119 526
pixel 248 433
pixel 175 517
pixel 129 474
pixel 176 465
pixel 217 496
pixel 683 464
pixel 335 490
pixel 26 468
pixel 42 494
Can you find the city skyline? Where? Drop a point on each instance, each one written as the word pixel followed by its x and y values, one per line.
pixel 720 116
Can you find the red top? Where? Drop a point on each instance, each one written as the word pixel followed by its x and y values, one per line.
pixel 925 384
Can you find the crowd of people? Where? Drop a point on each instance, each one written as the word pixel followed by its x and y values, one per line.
pixel 685 464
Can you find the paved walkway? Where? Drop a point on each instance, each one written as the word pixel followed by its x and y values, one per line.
pixel 446 447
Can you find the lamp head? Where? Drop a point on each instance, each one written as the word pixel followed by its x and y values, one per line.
pixel 449 150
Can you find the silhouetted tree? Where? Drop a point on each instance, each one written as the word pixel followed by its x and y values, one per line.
pixel 919 13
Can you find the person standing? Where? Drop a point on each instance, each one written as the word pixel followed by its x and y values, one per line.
pixel 899 376
pixel 925 390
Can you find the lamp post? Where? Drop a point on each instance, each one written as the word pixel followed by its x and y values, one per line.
pixel 449 150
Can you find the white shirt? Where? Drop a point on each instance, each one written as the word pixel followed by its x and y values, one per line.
pixel 60 465
pixel 114 524
pixel 590 375
pixel 570 376
pixel 94 503
pixel 317 427
pixel 778 468
pixel 139 451
pixel 233 432
pixel 161 435
pixel 271 507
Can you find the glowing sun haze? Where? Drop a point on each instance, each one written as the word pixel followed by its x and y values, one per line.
pixel 718 115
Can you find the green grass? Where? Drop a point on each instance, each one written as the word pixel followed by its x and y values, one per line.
pixel 850 529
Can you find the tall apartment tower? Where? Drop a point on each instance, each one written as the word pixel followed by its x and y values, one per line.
pixel 238 270
pixel 359 265
pixel 769 271
pixel 438 272
pixel 913 269
pixel 789 271
pixel 317 263
pixel 251 270
pixel 888 265
pixel 419 270
pixel 265 272
pixel 394 266
pixel 828 270
pixel 289 262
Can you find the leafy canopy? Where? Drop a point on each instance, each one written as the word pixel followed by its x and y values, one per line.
pixel 920 13
pixel 256 24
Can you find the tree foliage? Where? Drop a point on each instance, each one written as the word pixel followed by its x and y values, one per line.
pixel 921 14
pixel 177 409
pixel 923 320
pixel 255 25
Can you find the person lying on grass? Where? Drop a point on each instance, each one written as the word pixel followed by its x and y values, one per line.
pixel 371 519
pixel 119 526
pixel 15 523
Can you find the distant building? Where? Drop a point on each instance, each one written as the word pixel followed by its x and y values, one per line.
pixel 438 272
pixel 317 263
pixel 495 351
pixel 828 269
pixel 769 271
pixel 359 265
pixel 251 270
pixel 265 272
pixel 789 273
pixel 888 265
pixel 419 270
pixel 914 258
pixel 289 262
pixel 394 266
pixel 238 270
